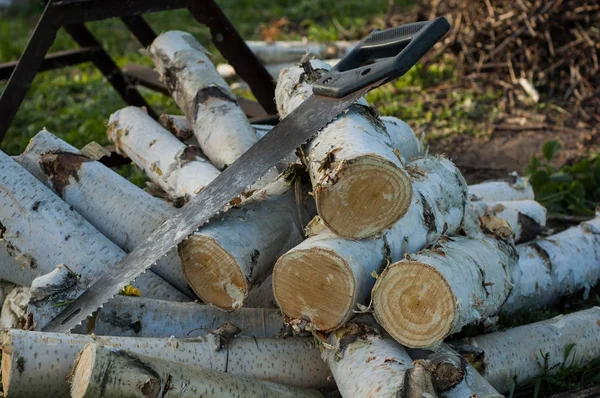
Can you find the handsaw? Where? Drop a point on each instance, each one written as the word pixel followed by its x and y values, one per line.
pixel 381 57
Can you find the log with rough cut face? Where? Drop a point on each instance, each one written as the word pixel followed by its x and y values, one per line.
pixel 229 256
pixel 344 268
pixel 359 183
pixel 101 371
pixel 572 339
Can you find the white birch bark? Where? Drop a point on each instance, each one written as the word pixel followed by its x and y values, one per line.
pixel 495 191
pixel 293 51
pixel 178 169
pixel 37 222
pixel 365 363
pixel 452 375
pixel 403 138
pixel 555 266
pixel 127 218
pixel 178 125
pixel 220 126
pixel 517 352
pixel 35 364
pixel 14 306
pixel 526 218
pixel 225 258
pixel 143 317
pixel 360 185
pixel 101 371
pixel 429 295
pixel 344 268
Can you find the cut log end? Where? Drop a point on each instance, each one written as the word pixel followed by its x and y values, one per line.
pixel 82 371
pixel 6 368
pixel 213 273
pixel 414 303
pixel 377 190
pixel 326 279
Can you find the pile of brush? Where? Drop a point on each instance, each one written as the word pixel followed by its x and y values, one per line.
pixel 361 249
pixel 549 47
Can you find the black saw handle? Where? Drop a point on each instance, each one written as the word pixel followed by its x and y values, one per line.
pixel 386 54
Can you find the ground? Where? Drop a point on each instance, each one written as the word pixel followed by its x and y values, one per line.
pixel 467 122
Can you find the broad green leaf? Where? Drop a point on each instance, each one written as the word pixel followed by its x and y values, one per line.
pixel 550 149
pixel 577 189
pixel 533 166
pixel 583 166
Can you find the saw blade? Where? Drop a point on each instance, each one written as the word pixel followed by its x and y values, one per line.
pixel 294 130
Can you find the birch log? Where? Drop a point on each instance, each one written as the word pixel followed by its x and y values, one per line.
pixel 429 295
pixel 359 183
pixel 517 352
pixel 220 125
pixel 452 375
pixel 143 317
pixel 35 364
pixel 293 51
pixel 101 372
pixel 39 223
pixel 324 278
pixel 126 219
pixel 365 363
pixel 178 169
pixel 14 307
pixel 526 218
pixel 552 267
pixel 493 191
pixel 225 258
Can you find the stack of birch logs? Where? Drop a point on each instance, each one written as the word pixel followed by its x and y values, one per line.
pixel 364 251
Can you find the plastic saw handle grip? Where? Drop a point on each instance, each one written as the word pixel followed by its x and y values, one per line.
pixel 386 54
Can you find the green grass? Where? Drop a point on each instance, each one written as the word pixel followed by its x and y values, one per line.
pixel 75 102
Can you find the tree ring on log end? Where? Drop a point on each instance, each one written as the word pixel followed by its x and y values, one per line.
pixel 213 273
pixel 82 371
pixel 314 284
pixel 6 367
pixel 414 303
pixel 371 196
